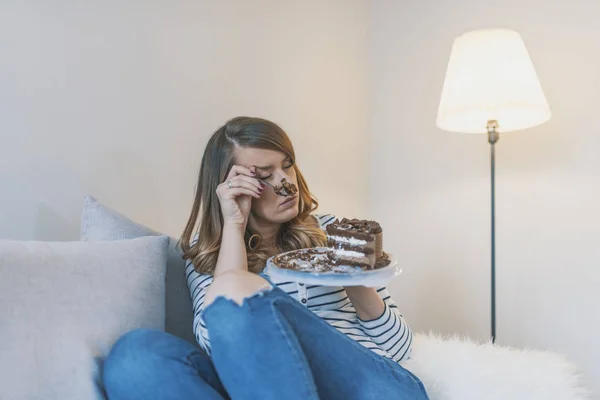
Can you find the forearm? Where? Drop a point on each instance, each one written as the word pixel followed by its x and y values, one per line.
pixel 366 301
pixel 231 276
pixel 381 320
pixel 232 254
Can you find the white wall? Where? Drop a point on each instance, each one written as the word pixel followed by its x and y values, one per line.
pixel 117 99
pixel 432 187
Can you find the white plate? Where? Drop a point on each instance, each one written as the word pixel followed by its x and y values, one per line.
pixel 343 276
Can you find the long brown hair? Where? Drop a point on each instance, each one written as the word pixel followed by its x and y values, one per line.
pixel 206 219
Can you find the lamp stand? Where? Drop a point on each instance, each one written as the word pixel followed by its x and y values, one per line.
pixel 493 137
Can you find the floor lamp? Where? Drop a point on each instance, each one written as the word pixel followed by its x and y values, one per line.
pixel 491 85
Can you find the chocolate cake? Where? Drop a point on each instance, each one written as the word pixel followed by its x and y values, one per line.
pixel 309 260
pixel 286 188
pixel 356 242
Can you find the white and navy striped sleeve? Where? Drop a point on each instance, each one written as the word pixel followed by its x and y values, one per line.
pixel 390 331
pixel 197 285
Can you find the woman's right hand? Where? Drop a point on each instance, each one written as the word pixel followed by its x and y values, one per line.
pixel 235 195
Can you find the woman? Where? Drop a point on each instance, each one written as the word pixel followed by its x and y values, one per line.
pixel 263 339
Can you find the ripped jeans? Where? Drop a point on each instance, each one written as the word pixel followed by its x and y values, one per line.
pixel 270 347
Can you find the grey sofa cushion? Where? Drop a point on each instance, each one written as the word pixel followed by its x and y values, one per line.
pixel 99 222
pixel 62 305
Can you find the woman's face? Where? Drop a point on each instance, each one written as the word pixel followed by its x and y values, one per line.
pixel 271 166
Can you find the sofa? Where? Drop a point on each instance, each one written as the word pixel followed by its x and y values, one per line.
pixel 63 304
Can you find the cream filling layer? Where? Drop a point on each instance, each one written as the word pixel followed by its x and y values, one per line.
pixel 349 240
pixel 349 253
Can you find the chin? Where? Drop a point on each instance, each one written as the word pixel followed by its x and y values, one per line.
pixel 288 215
pixel 279 216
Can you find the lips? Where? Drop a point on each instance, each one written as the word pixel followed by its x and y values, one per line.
pixel 289 200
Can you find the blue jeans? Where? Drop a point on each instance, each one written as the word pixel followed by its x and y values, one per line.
pixel 270 347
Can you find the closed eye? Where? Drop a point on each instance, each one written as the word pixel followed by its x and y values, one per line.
pixel 271 175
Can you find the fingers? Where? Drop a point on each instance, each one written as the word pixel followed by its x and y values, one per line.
pixel 238 174
pixel 239 170
pixel 238 191
pixel 242 180
pixel 240 183
pixel 250 188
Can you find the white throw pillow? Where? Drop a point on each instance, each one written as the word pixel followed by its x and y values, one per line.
pixel 62 305
pixel 99 222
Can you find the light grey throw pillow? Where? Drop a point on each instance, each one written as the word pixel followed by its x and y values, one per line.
pixel 99 222
pixel 62 305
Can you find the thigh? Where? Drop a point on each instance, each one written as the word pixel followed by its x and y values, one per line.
pixel 337 366
pixel 149 364
pixel 255 351
pixel 343 368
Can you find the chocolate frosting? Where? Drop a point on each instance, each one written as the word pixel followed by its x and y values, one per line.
pixel 286 188
pixel 359 225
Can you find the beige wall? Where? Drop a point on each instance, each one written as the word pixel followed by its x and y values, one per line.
pixel 432 187
pixel 117 99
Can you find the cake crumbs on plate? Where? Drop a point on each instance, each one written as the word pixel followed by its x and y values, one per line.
pixel 314 261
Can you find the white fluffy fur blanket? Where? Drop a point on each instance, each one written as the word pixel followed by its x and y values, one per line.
pixel 453 368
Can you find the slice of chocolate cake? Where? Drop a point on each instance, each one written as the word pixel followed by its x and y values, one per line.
pixel 357 242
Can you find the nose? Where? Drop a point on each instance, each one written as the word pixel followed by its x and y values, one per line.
pixel 281 174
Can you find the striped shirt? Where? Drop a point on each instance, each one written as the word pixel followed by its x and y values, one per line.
pixel 389 335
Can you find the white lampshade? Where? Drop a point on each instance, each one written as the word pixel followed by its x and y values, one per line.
pixel 490 76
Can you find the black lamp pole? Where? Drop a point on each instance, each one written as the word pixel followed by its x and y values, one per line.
pixel 493 137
